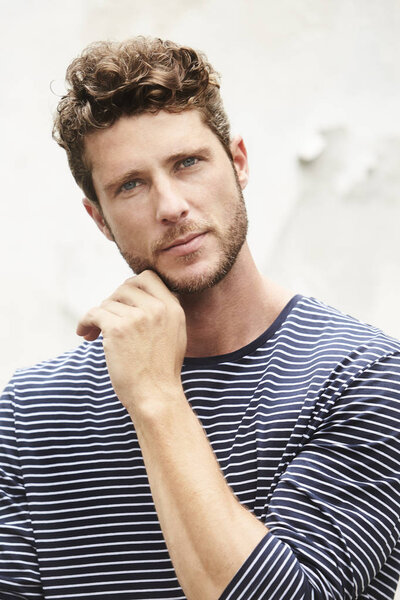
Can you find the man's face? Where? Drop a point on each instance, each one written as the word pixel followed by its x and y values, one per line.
pixel 170 197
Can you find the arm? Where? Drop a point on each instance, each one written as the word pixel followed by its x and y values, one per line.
pixel 208 533
pixel 19 569
pixel 338 503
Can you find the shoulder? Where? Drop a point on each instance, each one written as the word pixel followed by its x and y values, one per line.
pixel 333 349
pixel 81 368
pixel 333 332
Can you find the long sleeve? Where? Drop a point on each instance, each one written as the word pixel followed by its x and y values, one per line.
pixel 334 514
pixel 19 571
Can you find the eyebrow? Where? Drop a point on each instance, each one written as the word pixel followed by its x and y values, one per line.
pixel 115 184
pixel 136 173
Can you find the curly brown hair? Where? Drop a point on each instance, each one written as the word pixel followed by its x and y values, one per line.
pixel 139 75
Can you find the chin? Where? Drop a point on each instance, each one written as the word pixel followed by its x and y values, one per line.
pixel 197 281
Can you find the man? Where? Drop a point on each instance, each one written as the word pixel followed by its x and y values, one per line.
pixel 213 437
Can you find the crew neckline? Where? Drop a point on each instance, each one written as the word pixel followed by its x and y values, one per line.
pixel 251 346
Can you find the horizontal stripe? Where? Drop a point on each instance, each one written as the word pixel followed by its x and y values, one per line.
pixel 304 422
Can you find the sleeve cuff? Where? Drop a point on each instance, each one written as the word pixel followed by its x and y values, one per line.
pixel 270 572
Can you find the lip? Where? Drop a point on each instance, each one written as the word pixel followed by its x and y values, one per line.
pixel 185 245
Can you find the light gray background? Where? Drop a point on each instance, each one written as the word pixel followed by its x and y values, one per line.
pixel 312 85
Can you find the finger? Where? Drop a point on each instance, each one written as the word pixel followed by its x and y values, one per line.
pixel 89 332
pixel 95 321
pixel 129 294
pixel 151 283
pixel 134 296
pixel 119 309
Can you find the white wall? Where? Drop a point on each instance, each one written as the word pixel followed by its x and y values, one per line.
pixel 313 85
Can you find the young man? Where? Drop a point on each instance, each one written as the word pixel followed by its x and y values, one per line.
pixel 213 437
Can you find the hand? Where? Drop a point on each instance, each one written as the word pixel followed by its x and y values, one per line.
pixel 144 338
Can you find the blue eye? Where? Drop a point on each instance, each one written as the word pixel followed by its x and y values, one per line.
pixel 189 162
pixel 128 186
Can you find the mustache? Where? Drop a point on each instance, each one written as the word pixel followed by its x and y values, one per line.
pixel 180 230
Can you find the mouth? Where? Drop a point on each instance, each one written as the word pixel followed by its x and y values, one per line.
pixel 185 245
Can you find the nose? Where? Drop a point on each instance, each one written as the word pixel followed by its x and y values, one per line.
pixel 170 203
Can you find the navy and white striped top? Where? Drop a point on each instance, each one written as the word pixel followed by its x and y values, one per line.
pixel 304 423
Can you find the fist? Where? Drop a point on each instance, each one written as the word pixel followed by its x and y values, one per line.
pixel 144 338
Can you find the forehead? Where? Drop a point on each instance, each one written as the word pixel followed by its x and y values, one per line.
pixel 136 140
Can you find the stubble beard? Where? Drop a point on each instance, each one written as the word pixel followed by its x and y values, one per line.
pixel 231 241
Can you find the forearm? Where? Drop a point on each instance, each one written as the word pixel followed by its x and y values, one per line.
pixel 209 534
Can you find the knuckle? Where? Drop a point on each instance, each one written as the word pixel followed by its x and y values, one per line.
pixel 139 321
pixel 91 313
pixel 146 276
pixel 159 308
pixel 126 285
pixel 129 281
pixel 116 331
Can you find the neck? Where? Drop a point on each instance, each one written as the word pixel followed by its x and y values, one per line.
pixel 233 313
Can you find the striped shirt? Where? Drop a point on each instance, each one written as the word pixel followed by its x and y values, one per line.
pixel 304 424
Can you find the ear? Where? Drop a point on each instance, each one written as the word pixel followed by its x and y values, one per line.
pixel 96 213
pixel 239 155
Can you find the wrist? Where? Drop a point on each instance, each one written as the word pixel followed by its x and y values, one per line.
pixel 155 405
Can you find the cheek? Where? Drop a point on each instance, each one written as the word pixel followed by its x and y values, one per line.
pixel 226 196
pixel 127 233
